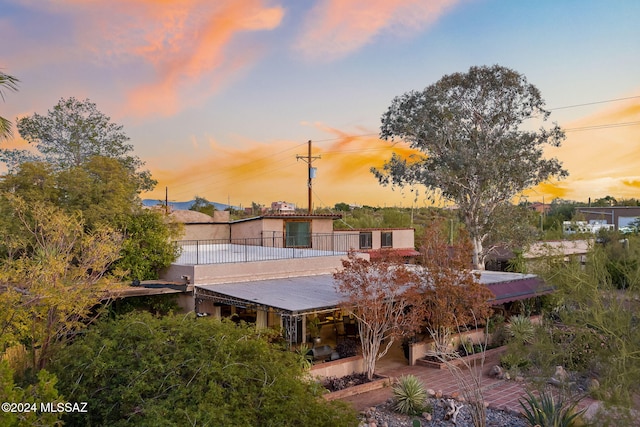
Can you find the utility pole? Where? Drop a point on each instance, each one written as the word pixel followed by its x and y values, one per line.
pixel 312 171
pixel 166 200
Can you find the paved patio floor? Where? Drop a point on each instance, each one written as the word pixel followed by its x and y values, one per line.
pixel 498 394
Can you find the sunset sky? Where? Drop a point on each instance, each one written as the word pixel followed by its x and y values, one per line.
pixel 218 97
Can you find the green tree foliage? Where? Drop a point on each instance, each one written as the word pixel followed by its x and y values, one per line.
pixel 597 329
pixel 54 273
pixel 148 245
pixel 468 127
pixel 623 259
pixel 342 207
pixel 202 205
pixel 181 370
pixel 367 217
pixel 70 134
pixel 511 227
pixel 104 193
pixel 7 82
pixel 101 188
pixel 44 390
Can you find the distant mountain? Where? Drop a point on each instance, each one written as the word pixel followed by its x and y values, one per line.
pixel 184 205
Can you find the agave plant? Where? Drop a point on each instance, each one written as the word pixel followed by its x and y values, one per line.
pixel 305 359
pixel 547 411
pixel 521 329
pixel 410 395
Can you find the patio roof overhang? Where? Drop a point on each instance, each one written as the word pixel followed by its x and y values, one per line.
pixel 293 296
pixel 508 287
pixel 297 296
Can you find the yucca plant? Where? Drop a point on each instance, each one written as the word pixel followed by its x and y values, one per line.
pixel 410 396
pixel 547 411
pixel 521 329
pixel 305 358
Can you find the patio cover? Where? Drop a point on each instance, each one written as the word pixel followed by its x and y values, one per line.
pixel 509 287
pixel 314 294
pixel 293 295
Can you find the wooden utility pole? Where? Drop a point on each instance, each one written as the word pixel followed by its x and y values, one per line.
pixel 309 159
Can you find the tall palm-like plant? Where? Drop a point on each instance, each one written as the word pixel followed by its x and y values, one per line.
pixel 7 82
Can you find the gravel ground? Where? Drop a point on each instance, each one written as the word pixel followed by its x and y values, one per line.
pixel 384 416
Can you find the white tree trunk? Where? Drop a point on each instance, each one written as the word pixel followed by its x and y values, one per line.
pixel 477 258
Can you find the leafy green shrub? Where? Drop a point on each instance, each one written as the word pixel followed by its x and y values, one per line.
pixel 512 360
pixel 547 411
pixel 181 370
pixel 410 396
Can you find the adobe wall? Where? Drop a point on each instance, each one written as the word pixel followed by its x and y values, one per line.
pixel 403 238
pixel 246 230
pixel 205 232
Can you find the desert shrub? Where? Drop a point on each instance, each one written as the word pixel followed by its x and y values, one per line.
pixel 577 348
pixel 494 322
pixel 410 396
pixel 347 348
pixel 547 411
pixel 500 336
pixel 514 361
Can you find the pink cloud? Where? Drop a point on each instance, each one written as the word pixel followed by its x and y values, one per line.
pixel 176 47
pixel 335 28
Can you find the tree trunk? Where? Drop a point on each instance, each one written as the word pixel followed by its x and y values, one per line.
pixel 477 258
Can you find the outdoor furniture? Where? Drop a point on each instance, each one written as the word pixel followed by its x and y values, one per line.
pixel 324 352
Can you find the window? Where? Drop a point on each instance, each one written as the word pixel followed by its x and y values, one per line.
pixel 386 239
pixel 297 234
pixel 366 240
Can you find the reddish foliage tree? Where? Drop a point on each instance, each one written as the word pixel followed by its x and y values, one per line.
pixel 376 295
pixel 448 293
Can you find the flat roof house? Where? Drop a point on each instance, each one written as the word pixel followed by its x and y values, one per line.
pixel 277 269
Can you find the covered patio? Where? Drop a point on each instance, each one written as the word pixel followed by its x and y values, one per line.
pixel 284 302
pixel 287 302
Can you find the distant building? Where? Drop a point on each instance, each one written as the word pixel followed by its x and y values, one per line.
pixel 621 217
pixel 283 207
pixel 593 226
pixel 540 207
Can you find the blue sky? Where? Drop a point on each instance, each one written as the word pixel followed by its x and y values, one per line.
pixel 219 97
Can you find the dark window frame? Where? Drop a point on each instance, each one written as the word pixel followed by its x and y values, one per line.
pixel 366 240
pixel 386 239
pixel 294 239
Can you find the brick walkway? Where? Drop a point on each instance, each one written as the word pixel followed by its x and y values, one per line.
pixel 498 394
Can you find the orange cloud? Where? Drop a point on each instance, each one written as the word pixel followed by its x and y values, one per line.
pixel 185 44
pixel 601 153
pixel 252 171
pixel 334 28
pixel 600 162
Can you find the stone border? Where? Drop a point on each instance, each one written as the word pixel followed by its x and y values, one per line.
pixel 460 362
pixel 379 383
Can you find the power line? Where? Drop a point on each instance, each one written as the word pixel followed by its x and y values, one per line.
pixel 594 103
pixel 603 126
pixel 252 175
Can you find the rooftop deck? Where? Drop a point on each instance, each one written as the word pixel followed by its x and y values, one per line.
pixel 200 252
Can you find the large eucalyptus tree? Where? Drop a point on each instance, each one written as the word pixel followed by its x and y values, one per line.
pixel 476 149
